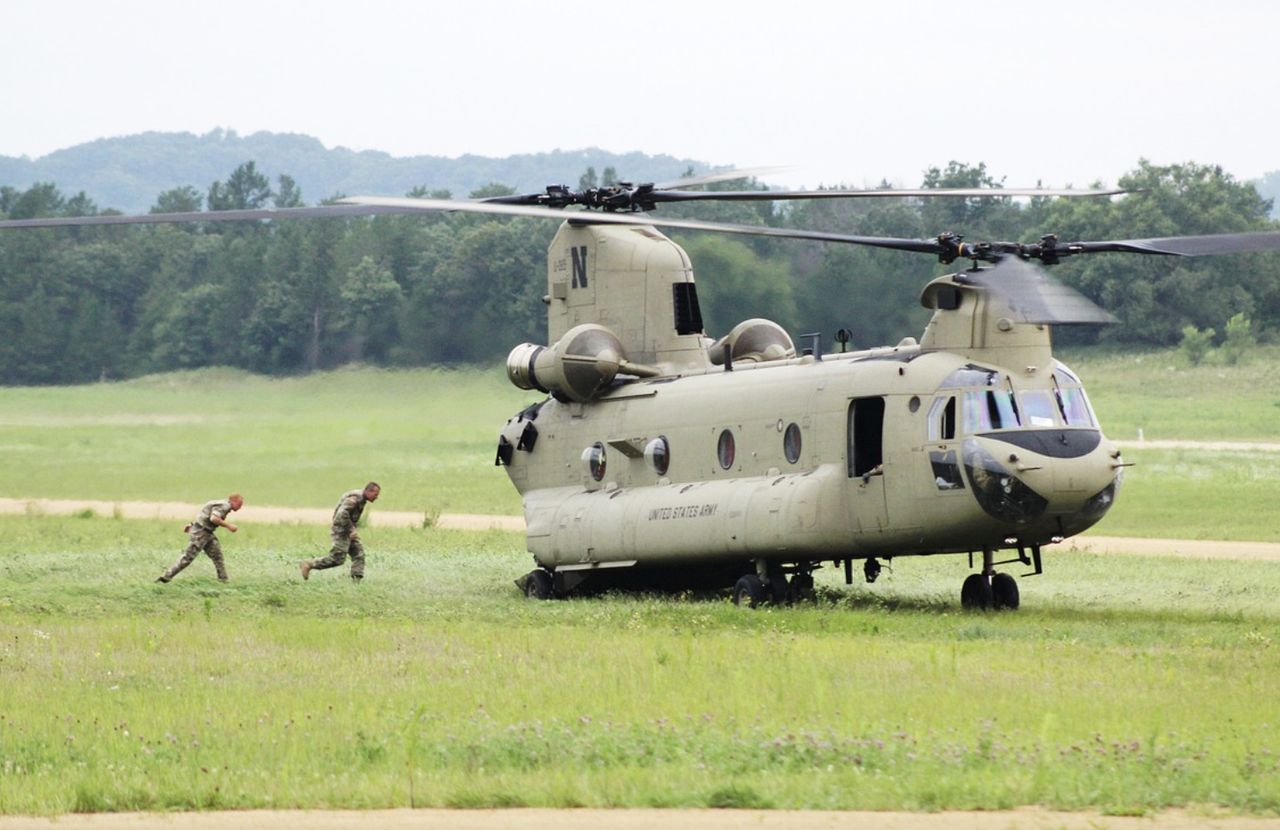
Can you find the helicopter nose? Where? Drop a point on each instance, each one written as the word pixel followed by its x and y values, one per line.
pixel 1079 479
pixel 1087 483
pixel 1023 477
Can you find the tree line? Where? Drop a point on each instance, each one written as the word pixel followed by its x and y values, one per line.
pixel 88 303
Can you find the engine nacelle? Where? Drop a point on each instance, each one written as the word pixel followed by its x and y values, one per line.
pixel 756 340
pixel 577 367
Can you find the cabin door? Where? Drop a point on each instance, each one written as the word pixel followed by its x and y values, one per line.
pixel 865 458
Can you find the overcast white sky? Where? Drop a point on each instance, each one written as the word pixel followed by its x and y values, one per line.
pixel 1066 93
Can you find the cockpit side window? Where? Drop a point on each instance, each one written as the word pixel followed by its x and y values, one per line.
pixel 942 419
pixel 977 418
pixel 1073 406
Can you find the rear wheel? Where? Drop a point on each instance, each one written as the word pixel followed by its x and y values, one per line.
pixel 975 594
pixel 537 585
pixel 749 591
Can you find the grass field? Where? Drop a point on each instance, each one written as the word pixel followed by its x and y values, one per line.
pixel 433 683
pixel 428 436
pixel 1122 685
pixel 1158 393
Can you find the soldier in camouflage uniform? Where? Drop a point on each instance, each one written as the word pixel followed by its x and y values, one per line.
pixel 212 516
pixel 346 540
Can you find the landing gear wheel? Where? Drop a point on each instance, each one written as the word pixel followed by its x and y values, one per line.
pixel 537 585
pixel 749 591
pixel 779 591
pixel 802 588
pixel 1004 592
pixel 975 594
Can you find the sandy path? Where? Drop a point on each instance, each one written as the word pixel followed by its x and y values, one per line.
pixel 1190 548
pixel 538 819
pixel 1212 446
pixel 250 515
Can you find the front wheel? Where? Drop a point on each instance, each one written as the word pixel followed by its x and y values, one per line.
pixel 975 594
pixel 1004 592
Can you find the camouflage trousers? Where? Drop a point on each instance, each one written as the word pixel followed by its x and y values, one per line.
pixel 344 544
pixel 201 540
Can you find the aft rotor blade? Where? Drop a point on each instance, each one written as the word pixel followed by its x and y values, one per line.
pixel 924 192
pixel 316 212
pixel 583 217
pixel 723 176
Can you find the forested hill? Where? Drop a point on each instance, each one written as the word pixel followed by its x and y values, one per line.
pixel 126 173
pixel 79 304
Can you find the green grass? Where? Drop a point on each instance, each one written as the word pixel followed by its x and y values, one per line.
pixel 428 436
pixel 1123 687
pixel 1156 391
pixel 1198 494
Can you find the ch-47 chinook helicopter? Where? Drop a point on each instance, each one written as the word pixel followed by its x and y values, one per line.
pixel 664 457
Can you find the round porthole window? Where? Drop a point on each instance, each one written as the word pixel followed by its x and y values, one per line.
pixel 658 455
pixel 725 449
pixel 593 459
pixel 791 443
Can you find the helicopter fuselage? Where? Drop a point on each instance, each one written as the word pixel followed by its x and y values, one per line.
pixel 869 454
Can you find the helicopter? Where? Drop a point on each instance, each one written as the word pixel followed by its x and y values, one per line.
pixel 661 457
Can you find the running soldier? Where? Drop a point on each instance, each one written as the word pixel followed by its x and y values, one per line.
pixel 345 537
pixel 212 516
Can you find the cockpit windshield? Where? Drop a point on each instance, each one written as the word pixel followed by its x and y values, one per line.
pixel 989 403
pixel 985 410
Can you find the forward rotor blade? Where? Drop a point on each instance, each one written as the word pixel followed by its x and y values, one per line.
pixel 1218 243
pixel 1035 296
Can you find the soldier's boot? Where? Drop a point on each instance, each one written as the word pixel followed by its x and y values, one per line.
pixel 305 567
pixel 163 580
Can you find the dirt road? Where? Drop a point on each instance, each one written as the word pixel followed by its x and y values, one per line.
pixel 251 514
pixel 1022 819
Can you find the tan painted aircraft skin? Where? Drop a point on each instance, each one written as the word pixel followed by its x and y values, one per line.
pixel 629 468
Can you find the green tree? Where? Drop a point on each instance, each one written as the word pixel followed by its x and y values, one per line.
pixel 1239 340
pixel 40 200
pixel 971 217
pixel 1157 297
pixel 185 199
pixel 289 195
pixel 244 189
pixel 1196 344
pixel 184 339
pixel 370 297
pixel 490 190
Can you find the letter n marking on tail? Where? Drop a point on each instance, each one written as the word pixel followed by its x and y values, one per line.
pixel 579 266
